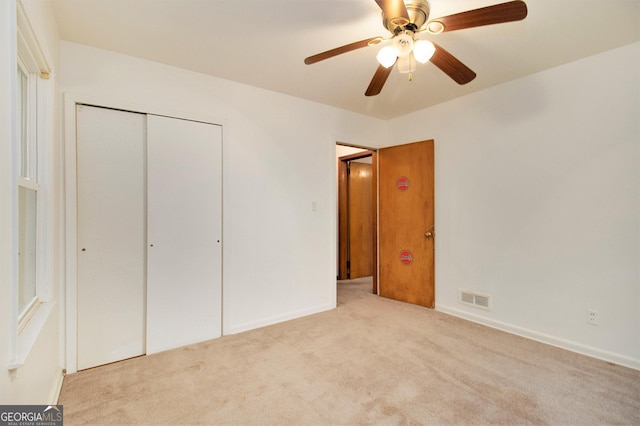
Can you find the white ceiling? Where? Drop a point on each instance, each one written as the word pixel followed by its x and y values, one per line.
pixel 263 43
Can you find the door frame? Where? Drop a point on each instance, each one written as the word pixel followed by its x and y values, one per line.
pixel 69 290
pixel 343 208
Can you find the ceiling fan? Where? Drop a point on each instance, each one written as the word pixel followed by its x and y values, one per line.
pixel 408 18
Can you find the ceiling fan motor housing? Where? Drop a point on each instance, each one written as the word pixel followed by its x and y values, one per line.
pixel 418 11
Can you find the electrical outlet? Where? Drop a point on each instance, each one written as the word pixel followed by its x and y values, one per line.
pixel 592 317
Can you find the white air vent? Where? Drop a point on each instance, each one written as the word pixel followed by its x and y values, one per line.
pixel 477 300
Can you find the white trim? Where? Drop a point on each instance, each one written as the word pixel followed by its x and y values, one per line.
pixel 27 183
pixel 45 178
pixel 333 207
pixel 27 313
pixel 54 396
pixel 71 237
pixel 26 38
pixel 71 219
pixel 569 345
pixel 99 101
pixel 13 54
pixel 280 318
pixel 29 334
pixel 378 221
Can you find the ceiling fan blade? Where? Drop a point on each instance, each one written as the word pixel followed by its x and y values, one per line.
pixel 342 49
pixel 451 66
pixel 496 14
pixel 394 9
pixel 378 80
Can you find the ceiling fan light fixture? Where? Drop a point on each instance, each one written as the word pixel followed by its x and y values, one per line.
pixel 405 18
pixel 423 50
pixel 406 64
pixel 387 56
pixel 399 21
pixel 403 43
pixel 435 27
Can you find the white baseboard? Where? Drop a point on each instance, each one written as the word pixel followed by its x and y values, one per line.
pixel 239 328
pixel 544 338
pixel 56 389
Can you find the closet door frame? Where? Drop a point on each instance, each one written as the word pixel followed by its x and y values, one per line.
pixel 69 291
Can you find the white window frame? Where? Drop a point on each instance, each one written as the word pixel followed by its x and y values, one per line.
pixel 29 179
pixel 28 324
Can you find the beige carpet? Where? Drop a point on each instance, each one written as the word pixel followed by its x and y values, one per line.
pixel 370 361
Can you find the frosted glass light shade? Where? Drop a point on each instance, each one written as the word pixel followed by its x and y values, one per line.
pixel 406 64
pixel 386 56
pixel 423 50
pixel 403 43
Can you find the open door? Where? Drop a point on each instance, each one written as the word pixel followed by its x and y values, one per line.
pixel 357 216
pixel 406 223
pixel 360 220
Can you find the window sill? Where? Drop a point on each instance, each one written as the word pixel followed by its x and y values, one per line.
pixel 29 334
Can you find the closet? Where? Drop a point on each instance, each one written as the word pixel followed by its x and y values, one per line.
pixel 149 233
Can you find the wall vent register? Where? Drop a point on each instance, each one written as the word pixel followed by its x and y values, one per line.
pixel 478 300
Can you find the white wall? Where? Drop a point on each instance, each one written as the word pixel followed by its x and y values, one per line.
pixel 38 380
pixel 537 193
pixel 279 156
pixel 537 203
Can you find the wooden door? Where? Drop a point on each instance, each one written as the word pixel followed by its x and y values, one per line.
pixel 406 220
pixel 111 235
pixel 360 217
pixel 184 263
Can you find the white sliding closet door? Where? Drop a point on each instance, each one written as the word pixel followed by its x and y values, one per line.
pixel 184 264
pixel 111 235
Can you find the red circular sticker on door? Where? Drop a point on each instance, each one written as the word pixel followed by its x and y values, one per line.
pixel 406 257
pixel 402 183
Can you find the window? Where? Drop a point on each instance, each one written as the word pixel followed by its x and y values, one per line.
pixel 27 179
pixel 32 136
